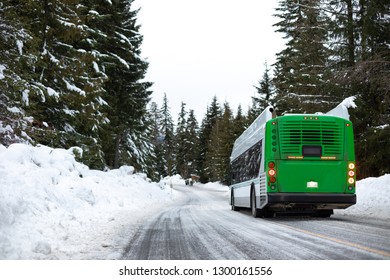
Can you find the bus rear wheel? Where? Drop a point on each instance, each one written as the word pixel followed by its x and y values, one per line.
pixel 257 213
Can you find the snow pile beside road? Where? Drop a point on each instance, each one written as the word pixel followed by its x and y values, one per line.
pixel 54 207
pixel 373 199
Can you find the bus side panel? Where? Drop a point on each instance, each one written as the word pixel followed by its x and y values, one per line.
pixel 241 194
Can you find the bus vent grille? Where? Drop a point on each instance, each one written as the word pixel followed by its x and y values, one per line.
pixel 294 134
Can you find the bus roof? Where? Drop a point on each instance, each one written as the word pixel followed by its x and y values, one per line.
pixel 253 134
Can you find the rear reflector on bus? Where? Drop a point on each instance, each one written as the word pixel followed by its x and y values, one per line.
pixel 294 157
pixel 330 158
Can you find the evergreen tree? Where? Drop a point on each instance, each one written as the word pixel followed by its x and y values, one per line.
pixel 168 144
pixel 360 44
pixel 157 139
pixel 264 91
pixel 264 98
pixel 240 123
pixel 117 46
pixel 220 147
pixel 212 115
pixel 301 75
pixel 78 76
pixel 55 84
pixel 181 139
pixel 342 35
pixel 192 144
pixel 15 65
pixel 371 75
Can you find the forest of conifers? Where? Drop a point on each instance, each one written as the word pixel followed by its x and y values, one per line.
pixel 71 74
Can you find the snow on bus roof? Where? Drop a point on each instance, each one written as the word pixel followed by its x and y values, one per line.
pixel 253 134
pixel 341 110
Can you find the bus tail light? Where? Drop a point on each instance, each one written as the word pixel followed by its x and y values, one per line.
pixel 351 174
pixel 272 172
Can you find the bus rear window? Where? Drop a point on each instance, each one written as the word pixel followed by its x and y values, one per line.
pixel 312 151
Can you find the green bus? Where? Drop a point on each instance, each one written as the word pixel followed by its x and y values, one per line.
pixel 296 163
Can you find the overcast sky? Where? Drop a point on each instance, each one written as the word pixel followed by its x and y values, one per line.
pixel 200 48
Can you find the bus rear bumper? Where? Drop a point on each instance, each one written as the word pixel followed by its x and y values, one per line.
pixel 311 200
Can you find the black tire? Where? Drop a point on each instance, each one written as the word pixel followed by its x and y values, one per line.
pixel 268 213
pixel 234 207
pixel 257 213
pixel 323 213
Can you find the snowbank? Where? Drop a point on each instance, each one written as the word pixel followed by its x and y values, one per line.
pixel 373 199
pixel 54 207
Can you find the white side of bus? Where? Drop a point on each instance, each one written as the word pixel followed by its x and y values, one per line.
pixel 241 192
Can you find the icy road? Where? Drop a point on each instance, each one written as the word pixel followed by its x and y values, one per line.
pixel 203 227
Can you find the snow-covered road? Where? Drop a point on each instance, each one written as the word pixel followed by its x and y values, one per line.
pixel 204 227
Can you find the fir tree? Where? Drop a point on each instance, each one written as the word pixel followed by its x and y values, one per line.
pixel 264 98
pixel 360 44
pixel 15 64
pixel 371 75
pixel 53 83
pixel 301 74
pixel 240 123
pixel 212 115
pixel 168 144
pixel 116 44
pixel 157 139
pixel 220 147
pixel 181 147
pixel 192 144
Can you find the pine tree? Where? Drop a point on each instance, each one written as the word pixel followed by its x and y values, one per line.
pixel 342 35
pixel 264 98
pixel 212 115
pixel 50 74
pixel 116 42
pixel 220 147
pixel 168 144
pixel 181 139
pixel 157 139
pixel 240 123
pixel 301 75
pixel 15 64
pixel 264 91
pixel 372 75
pixel 192 144
pixel 361 66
